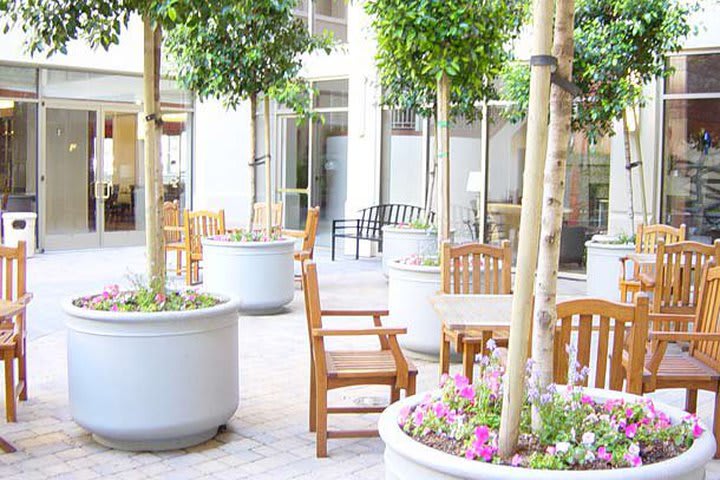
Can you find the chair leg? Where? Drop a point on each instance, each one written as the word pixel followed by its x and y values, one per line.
pixel 178 262
pixel 22 372
pixel 444 354
pixel 357 248
pixel 394 394
pixel 691 401
pixel 468 360
pixel 321 418
pixel 8 359
pixel 332 249
pixel 313 400
pixel 188 272
pixel 411 386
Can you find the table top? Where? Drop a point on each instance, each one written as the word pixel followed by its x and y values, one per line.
pixel 9 309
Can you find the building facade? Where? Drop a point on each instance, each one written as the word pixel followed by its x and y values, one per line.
pixel 71 150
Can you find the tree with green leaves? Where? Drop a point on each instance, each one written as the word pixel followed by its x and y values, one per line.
pixel 267 46
pixel 442 56
pixel 50 26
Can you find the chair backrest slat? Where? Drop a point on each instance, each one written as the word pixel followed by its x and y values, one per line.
pixel 311 292
pixel 13 276
pixel 605 330
pixel 678 275
pixel 171 218
pixel 476 268
pixel 202 223
pixel 311 226
pixel 706 317
pixel 259 209
pixel 648 236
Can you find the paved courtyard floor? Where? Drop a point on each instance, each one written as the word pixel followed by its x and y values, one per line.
pixel 266 439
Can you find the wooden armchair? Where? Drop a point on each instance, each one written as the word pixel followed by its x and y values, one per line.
pixel 646 241
pixel 472 268
pixel 308 235
pixel 195 226
pixel 337 369
pixel 699 368
pixel 622 331
pixel 13 329
pixel 677 278
pixel 259 210
pixel 172 233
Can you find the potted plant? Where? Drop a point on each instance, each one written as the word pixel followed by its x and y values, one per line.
pixel 585 433
pixel 413 280
pixel 603 263
pixel 253 267
pixel 152 370
pixel 418 237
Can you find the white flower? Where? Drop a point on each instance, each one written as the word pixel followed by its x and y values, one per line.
pixel 589 456
pixel 562 447
pixel 588 438
pixel 634 450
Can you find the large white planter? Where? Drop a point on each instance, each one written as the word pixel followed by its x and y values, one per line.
pixel 407 459
pixel 153 381
pixel 402 242
pixel 409 295
pixel 260 274
pixel 603 268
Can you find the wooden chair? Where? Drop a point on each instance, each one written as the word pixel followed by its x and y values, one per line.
pixel 677 278
pixel 308 235
pixel 259 210
pixel 472 268
pixel 13 329
pixel 172 231
pixel 195 226
pixel 646 241
pixel 699 368
pixel 622 331
pixel 336 369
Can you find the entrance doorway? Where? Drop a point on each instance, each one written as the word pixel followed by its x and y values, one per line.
pixel 92 185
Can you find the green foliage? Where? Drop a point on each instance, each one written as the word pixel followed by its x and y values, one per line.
pixel 619 47
pixel 144 298
pixel 246 48
pixel 419 40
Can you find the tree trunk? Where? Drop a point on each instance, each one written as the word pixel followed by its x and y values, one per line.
pixel 253 157
pixel 432 177
pixel 552 214
pixel 647 218
pixel 536 149
pixel 153 168
pixel 268 170
pixel 628 169
pixel 442 141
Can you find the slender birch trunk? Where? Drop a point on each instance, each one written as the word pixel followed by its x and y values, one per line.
pixel 268 170
pixel 442 141
pixel 153 167
pixel 545 315
pixel 537 132
pixel 432 179
pixel 641 170
pixel 253 157
pixel 628 169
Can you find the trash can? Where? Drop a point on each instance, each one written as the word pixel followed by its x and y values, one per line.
pixel 20 227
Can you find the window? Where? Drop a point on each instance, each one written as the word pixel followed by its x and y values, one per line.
pixel 18 155
pixel 18 82
pixel 331 16
pixel 691 157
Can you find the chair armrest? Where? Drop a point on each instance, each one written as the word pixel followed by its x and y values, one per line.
pixel 173 229
pixel 623 263
pixel 684 337
pixel 647 280
pixel 303 255
pixel 25 298
pixel 294 233
pixel 354 313
pixel 329 332
pixel 661 318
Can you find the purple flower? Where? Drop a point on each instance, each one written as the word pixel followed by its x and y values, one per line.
pixel 631 430
pixel 603 454
pixel 440 410
pixel 468 393
pixel 461 381
pixel 482 434
pixel 633 460
pixel 403 416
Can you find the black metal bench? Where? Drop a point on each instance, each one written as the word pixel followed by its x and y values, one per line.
pixel 369 225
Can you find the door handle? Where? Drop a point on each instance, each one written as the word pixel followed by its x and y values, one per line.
pixel 96 191
pixel 107 190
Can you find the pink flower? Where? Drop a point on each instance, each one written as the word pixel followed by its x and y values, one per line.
pixel 586 400
pixel 697 430
pixel 482 433
pixel 440 410
pixel 468 393
pixel 460 381
pixel 603 454
pixel 550 450
pixel 403 416
pixel 516 460
pixel 418 416
pixel 629 412
pixel 633 460
pixel 443 379
pixel 114 308
pixel 631 430
pixel 486 453
pixel 159 298
pixel 470 453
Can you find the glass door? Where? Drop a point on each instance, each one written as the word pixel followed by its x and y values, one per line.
pixel 121 185
pixel 73 194
pixel 295 161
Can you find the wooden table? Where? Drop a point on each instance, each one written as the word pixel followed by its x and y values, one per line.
pixel 8 310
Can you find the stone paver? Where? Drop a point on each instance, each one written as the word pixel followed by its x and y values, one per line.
pixel 267 437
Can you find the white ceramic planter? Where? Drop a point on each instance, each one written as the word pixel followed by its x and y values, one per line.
pixel 402 242
pixel 410 289
pixel 603 268
pixel 153 381
pixel 260 274
pixel 407 459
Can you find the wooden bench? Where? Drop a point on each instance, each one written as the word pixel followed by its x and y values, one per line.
pixel 372 220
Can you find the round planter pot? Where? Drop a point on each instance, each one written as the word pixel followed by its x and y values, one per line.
pixel 260 274
pixel 407 459
pixel 409 291
pixel 403 242
pixel 153 381
pixel 603 268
